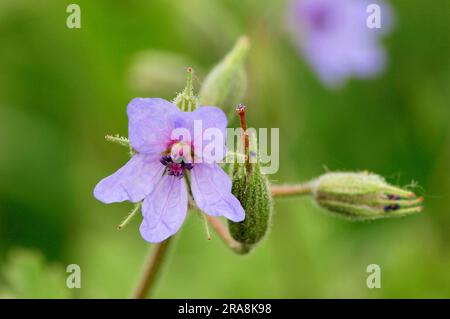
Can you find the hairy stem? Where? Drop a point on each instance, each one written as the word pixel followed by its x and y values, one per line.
pixel 158 253
pixel 224 234
pixel 276 190
pixel 151 269
pixel 291 189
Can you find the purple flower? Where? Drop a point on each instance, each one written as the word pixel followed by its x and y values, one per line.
pixel 334 37
pixel 157 173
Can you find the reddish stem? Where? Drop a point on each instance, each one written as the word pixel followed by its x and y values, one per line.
pixel 240 110
pixel 151 269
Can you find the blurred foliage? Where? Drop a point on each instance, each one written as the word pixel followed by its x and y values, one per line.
pixel 27 275
pixel 63 90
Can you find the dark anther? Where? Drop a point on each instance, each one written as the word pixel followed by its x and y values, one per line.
pixel 391 207
pixel 174 168
pixel 393 197
pixel 165 160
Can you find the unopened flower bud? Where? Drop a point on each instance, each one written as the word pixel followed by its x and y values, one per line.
pixel 226 84
pixel 363 196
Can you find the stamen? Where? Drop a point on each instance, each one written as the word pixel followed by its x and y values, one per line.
pixel 174 168
pixel 393 197
pixel 391 207
pixel 165 160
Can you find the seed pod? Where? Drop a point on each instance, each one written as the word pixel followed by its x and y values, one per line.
pixel 252 189
pixel 363 196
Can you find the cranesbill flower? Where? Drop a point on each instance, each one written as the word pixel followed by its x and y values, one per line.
pixel 171 148
pixel 336 40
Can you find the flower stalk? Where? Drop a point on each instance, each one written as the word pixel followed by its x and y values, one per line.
pixel 287 190
pixel 222 231
pixel 151 269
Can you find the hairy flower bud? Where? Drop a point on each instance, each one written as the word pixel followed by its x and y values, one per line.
pixel 226 84
pixel 363 196
pixel 252 190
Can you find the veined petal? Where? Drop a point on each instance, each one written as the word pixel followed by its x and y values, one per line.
pixel 211 188
pixel 151 121
pixel 164 210
pixel 131 182
pixel 202 119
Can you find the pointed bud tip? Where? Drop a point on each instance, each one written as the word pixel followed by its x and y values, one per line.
pixel 410 195
pixel 186 99
pixel 240 109
pixel 244 40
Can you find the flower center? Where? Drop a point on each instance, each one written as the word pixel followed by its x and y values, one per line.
pixel 177 159
pixel 320 18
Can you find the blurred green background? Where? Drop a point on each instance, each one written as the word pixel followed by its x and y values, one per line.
pixel 62 90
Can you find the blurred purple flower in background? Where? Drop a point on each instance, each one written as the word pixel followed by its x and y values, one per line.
pixel 155 174
pixel 334 37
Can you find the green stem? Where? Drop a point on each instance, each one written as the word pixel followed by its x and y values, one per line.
pixel 151 270
pixel 276 190
pixel 159 252
pixel 291 189
pixel 222 231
